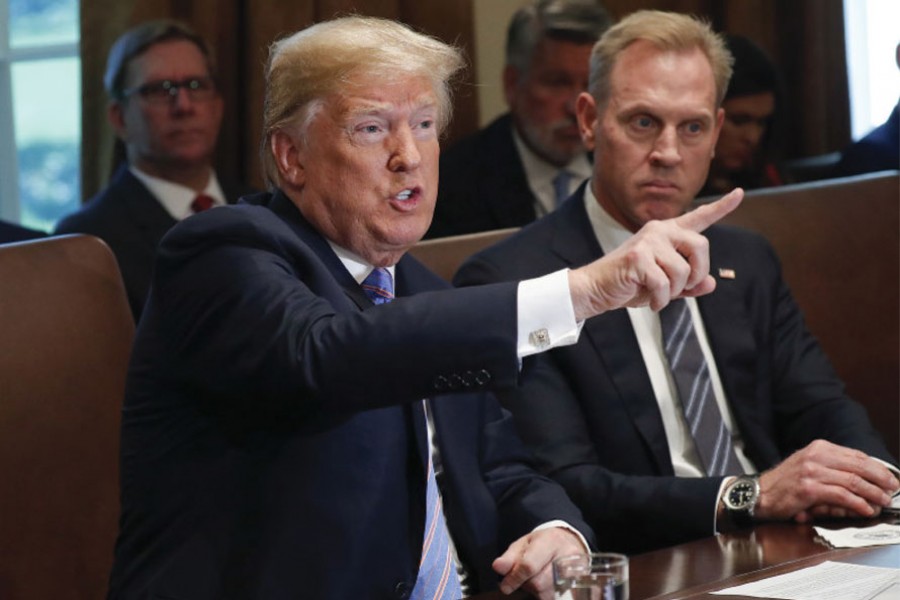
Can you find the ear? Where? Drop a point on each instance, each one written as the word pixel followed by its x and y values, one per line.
pixel 586 113
pixel 510 83
pixel 115 114
pixel 289 158
pixel 717 129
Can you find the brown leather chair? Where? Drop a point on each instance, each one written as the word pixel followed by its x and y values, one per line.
pixel 65 337
pixel 839 244
pixel 445 255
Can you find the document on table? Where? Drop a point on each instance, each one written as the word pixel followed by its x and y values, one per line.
pixel 827 581
pixel 881 534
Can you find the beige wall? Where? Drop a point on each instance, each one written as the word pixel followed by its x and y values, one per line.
pixel 491 19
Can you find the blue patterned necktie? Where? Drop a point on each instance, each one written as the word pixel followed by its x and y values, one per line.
pixel 561 186
pixel 379 286
pixel 691 373
pixel 437 578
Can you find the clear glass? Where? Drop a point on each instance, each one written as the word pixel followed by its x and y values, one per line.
pixel 597 576
pixel 47 121
pixel 43 22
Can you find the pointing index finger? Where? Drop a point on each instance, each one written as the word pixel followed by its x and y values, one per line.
pixel 703 216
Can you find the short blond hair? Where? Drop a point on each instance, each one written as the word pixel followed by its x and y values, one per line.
pixel 667 31
pixel 323 59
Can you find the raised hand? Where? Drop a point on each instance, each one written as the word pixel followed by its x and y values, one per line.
pixel 663 261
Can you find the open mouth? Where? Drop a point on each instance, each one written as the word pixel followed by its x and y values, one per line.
pixel 407 198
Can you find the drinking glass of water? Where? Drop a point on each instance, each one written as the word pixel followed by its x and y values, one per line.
pixel 597 576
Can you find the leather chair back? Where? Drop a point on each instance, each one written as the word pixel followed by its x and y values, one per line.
pixel 65 337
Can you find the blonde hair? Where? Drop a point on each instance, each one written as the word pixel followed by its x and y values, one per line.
pixel 314 63
pixel 667 31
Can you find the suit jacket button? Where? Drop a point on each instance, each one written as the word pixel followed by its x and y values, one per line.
pixel 468 378
pixel 441 383
pixel 482 377
pixel 403 590
pixel 456 382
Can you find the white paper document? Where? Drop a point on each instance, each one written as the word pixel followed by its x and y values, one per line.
pixel 827 581
pixel 882 534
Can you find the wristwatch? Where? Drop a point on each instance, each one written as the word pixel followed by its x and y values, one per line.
pixel 740 499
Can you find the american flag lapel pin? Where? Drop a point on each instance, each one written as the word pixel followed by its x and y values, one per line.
pixel 727 273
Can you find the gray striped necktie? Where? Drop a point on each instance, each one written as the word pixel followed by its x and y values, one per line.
pixel 691 373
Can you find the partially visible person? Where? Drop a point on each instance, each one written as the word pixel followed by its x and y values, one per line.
pixel 746 152
pixel 706 415
pixel 11 232
pixel 517 168
pixel 165 107
pixel 306 404
pixel 879 150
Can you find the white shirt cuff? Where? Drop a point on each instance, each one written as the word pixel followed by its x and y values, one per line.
pixel 567 527
pixel 546 317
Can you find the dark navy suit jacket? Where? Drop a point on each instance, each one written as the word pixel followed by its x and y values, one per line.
pixel 483 185
pixel 132 222
pixel 589 412
pixel 273 440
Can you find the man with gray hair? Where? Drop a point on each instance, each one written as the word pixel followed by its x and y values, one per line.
pixel 528 160
pixel 307 410
pixel 165 107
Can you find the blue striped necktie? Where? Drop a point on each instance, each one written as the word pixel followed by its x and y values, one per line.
pixel 691 373
pixel 437 578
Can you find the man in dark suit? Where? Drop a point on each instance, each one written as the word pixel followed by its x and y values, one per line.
pixel 651 461
pixel 275 440
pixel 166 109
pixel 512 171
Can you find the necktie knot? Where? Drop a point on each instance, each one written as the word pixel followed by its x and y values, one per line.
pixel 202 202
pixel 379 286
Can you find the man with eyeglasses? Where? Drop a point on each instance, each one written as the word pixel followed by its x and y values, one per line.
pixel 166 109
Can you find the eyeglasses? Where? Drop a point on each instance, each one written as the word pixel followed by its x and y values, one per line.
pixel 198 89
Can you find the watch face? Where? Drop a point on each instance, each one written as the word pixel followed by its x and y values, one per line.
pixel 741 494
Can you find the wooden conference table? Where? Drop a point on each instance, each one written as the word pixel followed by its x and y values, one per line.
pixel 691 571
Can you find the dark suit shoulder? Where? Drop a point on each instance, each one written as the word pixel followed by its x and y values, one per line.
pixel 482 184
pixel 108 213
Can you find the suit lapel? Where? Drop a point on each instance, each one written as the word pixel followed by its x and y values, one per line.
pixel 146 212
pixel 282 206
pixel 612 335
pixel 730 333
pixel 510 198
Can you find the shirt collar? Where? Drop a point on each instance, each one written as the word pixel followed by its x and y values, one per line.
pixel 610 233
pixel 177 198
pixel 358 268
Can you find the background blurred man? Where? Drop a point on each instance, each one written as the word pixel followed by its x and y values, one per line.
pixel 166 108
pixel 516 169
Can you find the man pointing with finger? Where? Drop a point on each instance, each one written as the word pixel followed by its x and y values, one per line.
pixel 668 422
pixel 309 411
